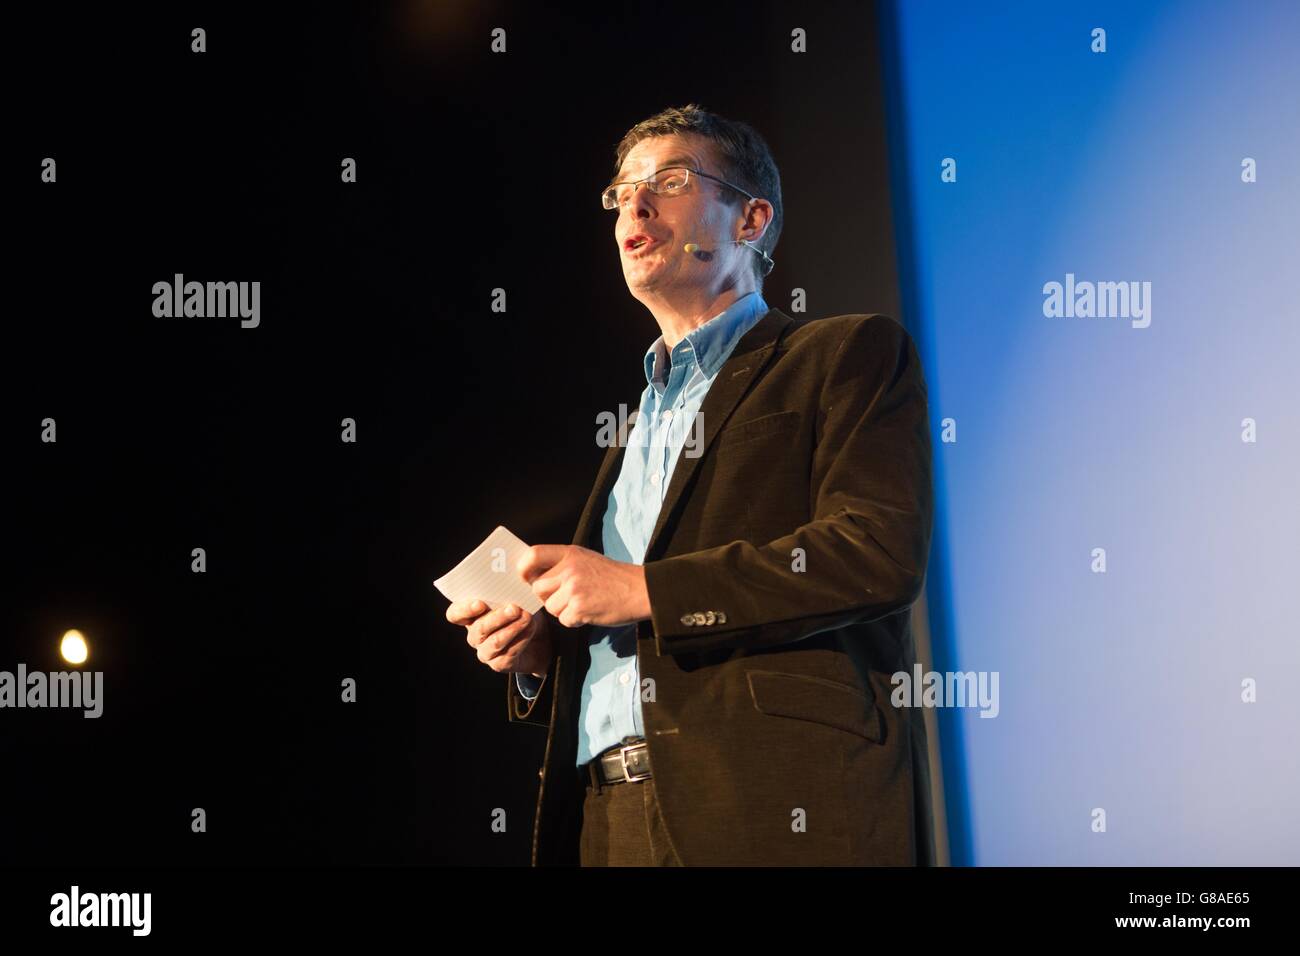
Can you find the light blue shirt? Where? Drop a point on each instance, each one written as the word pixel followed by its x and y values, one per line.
pixel 675 390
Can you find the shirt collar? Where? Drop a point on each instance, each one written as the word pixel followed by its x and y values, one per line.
pixel 711 342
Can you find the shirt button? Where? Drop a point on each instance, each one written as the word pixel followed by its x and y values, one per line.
pixel 668 415
pixel 654 479
pixel 624 677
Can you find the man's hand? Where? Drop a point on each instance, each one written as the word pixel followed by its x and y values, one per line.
pixel 579 586
pixel 509 639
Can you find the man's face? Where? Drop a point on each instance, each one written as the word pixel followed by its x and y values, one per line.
pixel 698 214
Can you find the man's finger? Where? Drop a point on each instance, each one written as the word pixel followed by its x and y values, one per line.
pixel 490 623
pixel 556 603
pixel 545 586
pixel 539 558
pixel 504 640
pixel 464 612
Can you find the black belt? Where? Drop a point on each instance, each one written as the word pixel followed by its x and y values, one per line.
pixel 628 762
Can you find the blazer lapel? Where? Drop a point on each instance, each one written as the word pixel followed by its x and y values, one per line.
pixel 746 362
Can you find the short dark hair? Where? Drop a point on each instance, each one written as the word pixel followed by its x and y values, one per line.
pixel 743 157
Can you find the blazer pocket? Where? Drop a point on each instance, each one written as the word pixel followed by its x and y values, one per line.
pixel 758 427
pixel 816 699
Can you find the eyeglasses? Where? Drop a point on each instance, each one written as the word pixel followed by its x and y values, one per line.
pixel 667 182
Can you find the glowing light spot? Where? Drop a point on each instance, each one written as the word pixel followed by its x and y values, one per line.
pixel 74 648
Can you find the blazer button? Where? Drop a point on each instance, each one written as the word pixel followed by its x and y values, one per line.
pixel 710 617
pixel 722 618
pixel 688 620
pixel 699 617
pixel 541 773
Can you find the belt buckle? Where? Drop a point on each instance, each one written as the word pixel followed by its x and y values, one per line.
pixel 622 755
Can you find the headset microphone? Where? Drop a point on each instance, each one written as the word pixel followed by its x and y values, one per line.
pixel 695 247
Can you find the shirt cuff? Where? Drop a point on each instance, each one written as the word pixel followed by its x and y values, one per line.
pixel 528 685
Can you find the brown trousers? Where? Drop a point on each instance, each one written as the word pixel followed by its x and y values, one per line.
pixel 622 826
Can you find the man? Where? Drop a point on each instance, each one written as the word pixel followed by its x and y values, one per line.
pixel 713 659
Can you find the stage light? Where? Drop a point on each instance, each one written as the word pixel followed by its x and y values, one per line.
pixel 73 648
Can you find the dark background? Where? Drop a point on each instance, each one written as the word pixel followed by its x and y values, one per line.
pixel 475 171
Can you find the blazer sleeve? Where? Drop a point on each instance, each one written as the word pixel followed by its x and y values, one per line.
pixel 864 552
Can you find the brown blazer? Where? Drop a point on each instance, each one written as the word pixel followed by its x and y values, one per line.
pixel 781 574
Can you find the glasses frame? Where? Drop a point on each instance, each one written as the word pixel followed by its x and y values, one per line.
pixel 650 185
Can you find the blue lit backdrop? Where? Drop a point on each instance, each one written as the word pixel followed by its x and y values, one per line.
pixel 1121 690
